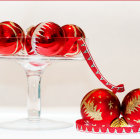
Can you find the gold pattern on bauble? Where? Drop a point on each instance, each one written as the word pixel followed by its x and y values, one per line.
pixel 119 123
pixel 92 111
pixel 133 105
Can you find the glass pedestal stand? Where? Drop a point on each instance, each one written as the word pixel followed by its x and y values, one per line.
pixel 34 67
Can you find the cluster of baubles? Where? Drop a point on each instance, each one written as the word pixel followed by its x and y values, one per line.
pixel 102 107
pixel 46 38
pixel 98 107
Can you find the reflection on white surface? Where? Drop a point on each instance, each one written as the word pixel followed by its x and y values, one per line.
pixel 64 114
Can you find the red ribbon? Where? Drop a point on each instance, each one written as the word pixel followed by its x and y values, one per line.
pixel 81 125
pixel 89 59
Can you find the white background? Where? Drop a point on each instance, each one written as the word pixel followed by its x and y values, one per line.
pixel 113 32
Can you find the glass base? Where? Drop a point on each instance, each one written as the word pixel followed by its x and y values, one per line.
pixel 42 124
pixel 34 66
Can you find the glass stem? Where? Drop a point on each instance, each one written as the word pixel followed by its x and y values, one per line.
pixel 34 95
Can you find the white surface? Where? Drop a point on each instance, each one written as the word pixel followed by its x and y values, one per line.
pixel 64 114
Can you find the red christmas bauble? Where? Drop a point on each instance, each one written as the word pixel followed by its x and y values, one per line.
pixel 71 46
pixel 100 107
pixel 28 45
pixel 46 39
pixel 11 38
pixel 131 107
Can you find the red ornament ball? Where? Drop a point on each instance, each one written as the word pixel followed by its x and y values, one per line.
pixel 11 38
pixel 100 107
pixel 131 107
pixel 71 46
pixel 28 40
pixel 45 39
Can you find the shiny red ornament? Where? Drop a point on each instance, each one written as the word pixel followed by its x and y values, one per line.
pixel 100 107
pixel 12 38
pixel 131 107
pixel 28 40
pixel 71 46
pixel 46 39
